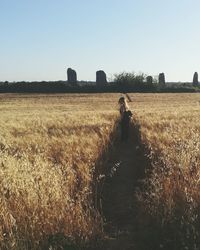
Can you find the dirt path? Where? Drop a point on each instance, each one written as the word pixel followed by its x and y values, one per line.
pixel 118 199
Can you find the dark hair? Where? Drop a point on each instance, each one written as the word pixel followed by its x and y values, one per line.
pixel 121 99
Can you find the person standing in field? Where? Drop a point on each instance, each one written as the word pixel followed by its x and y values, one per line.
pixel 126 115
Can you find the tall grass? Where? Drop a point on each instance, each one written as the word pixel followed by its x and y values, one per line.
pixel 170 199
pixel 48 149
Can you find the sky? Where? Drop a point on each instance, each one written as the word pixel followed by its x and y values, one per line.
pixel 40 39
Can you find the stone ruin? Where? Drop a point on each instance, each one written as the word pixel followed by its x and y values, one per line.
pixel 161 78
pixel 101 78
pixel 195 79
pixel 71 76
pixel 149 80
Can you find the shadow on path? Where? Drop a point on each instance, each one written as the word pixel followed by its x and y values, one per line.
pixel 126 167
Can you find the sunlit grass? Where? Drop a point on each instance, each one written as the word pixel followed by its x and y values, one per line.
pixel 170 126
pixel 48 149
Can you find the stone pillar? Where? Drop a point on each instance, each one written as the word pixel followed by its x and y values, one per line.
pixel 101 78
pixel 149 80
pixel 195 79
pixel 71 76
pixel 161 78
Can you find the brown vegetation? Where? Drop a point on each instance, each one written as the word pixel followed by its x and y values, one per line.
pixel 170 201
pixel 49 149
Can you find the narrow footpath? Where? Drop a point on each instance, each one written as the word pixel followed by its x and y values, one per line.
pixel 126 165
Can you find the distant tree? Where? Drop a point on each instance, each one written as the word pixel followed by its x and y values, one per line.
pixel 124 78
pixel 127 81
pixel 161 79
pixel 140 78
pixel 129 78
pixel 195 79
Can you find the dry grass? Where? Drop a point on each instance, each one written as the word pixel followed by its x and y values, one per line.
pixel 49 146
pixel 48 149
pixel 170 128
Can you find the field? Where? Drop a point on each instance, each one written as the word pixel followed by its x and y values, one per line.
pixel 49 146
pixel 170 199
pixel 52 154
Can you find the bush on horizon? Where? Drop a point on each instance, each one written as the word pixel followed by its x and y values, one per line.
pixel 134 81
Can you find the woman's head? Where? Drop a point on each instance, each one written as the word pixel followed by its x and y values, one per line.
pixel 123 104
pixel 122 100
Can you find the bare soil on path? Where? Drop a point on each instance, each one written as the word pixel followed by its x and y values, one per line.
pixel 119 205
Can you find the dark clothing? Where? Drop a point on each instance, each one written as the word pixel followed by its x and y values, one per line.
pixel 125 124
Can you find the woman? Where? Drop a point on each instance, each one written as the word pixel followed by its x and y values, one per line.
pixel 126 115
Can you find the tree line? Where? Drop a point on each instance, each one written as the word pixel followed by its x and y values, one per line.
pixel 121 82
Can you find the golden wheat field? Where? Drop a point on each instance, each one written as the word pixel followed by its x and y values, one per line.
pixel 49 149
pixel 170 129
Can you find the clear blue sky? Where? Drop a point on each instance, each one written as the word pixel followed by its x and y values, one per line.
pixel 39 39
